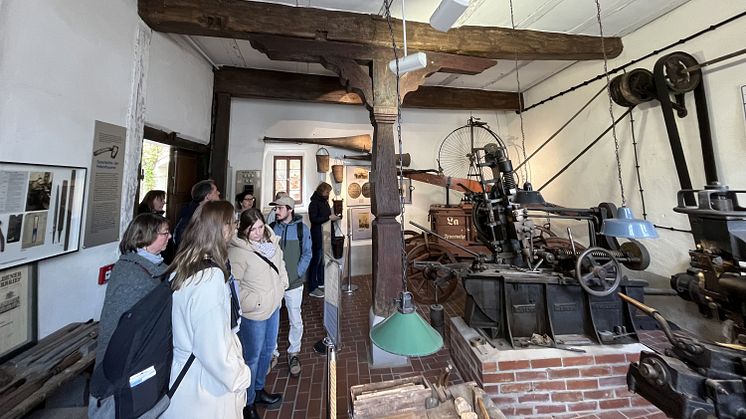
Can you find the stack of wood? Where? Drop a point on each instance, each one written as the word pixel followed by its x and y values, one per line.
pixel 416 398
pixel 32 376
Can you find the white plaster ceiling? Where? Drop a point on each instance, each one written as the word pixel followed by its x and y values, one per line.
pixel 619 18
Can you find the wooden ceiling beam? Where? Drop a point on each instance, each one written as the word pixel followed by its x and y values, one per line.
pixel 241 19
pixel 266 84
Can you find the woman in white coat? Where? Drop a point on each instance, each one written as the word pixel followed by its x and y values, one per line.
pixel 205 318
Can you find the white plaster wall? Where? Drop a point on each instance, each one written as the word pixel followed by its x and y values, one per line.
pixel 593 178
pixel 422 132
pixel 64 65
pixel 179 88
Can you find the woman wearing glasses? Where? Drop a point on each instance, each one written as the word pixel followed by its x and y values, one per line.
pixel 244 201
pixel 259 268
pixel 139 269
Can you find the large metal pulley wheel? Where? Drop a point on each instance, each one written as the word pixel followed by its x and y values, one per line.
pixel 431 285
pixel 597 278
pixel 679 79
pixel 631 89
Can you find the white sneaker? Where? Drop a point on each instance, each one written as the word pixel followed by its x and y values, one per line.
pixel 317 293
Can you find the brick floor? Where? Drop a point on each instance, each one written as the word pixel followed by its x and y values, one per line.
pixel 305 396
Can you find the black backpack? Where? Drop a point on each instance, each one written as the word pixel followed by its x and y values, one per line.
pixel 137 362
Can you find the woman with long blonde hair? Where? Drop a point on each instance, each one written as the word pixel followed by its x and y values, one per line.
pixel 205 317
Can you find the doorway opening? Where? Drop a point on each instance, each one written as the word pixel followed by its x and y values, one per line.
pixel 154 163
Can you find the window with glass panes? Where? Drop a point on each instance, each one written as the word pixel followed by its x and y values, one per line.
pixel 288 171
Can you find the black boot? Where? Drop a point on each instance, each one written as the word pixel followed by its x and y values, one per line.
pixel 249 412
pixel 262 397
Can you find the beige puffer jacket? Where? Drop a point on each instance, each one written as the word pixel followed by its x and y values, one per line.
pixel 261 289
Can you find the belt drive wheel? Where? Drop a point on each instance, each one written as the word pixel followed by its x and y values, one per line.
pixel 633 88
pixel 430 285
pixel 678 78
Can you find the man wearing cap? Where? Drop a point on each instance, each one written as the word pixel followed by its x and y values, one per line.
pixel 295 242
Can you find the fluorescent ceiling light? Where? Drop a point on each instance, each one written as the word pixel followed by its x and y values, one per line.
pixel 447 14
pixel 409 63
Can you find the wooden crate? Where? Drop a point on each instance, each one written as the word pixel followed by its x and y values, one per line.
pixel 401 398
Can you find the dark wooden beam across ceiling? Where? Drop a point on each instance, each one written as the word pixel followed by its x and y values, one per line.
pixel 241 19
pixel 266 84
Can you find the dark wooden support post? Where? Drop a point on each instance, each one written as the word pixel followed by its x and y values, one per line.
pixel 387 265
pixel 219 146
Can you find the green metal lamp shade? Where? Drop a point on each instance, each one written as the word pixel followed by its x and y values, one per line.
pixel 405 332
pixel 625 225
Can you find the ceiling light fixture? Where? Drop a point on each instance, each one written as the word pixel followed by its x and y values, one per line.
pixel 407 63
pixel 625 224
pixel 404 332
pixel 447 14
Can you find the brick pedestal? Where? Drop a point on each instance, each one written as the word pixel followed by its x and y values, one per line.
pixel 552 383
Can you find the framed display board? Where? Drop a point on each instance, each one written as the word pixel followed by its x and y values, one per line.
pixel 17 310
pixel 358 185
pixel 41 208
pixel 361 223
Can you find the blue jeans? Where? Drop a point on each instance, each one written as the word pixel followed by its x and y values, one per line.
pixel 258 338
pixel 316 269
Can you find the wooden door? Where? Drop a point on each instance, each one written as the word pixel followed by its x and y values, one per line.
pixel 183 173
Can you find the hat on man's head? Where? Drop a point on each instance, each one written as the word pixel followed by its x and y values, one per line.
pixel 284 201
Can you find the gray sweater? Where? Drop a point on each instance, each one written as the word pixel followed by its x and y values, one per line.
pixel 132 278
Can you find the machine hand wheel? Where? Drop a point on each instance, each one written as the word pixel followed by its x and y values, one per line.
pixel 430 285
pixel 596 278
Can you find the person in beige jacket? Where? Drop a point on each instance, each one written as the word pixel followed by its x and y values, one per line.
pixel 258 266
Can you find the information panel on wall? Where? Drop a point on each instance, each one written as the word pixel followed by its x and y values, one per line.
pixel 105 193
pixel 41 208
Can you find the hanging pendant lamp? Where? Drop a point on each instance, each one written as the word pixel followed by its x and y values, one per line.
pixel 528 196
pixel 626 225
pixel 405 332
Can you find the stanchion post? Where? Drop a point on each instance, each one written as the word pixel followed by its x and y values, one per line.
pixel 331 399
pixel 349 288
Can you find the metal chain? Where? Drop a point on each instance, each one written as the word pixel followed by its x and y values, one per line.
pixel 637 165
pixel 387 15
pixel 611 104
pixel 520 95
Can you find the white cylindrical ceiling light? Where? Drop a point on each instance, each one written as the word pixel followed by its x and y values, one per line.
pixel 409 63
pixel 447 14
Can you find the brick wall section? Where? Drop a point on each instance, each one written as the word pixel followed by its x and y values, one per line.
pixel 552 382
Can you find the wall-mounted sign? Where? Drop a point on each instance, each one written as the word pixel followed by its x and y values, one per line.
pixel 41 208
pixel 105 193
pixel 17 310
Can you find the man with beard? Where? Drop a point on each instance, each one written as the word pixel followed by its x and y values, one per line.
pixel 295 242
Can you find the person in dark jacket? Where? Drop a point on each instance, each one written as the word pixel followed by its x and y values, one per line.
pixel 153 201
pixel 202 191
pixel 295 242
pixel 319 212
pixel 137 272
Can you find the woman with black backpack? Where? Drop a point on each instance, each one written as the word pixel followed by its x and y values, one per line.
pixel 137 272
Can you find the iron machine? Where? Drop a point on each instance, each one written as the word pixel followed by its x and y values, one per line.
pixel 527 281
